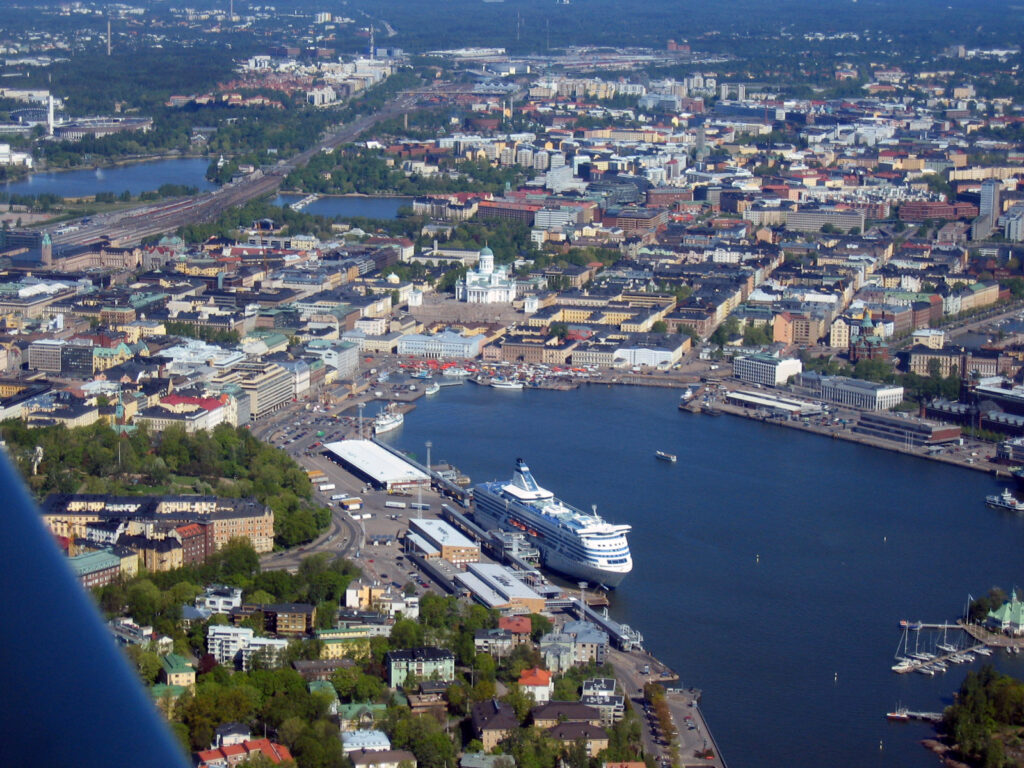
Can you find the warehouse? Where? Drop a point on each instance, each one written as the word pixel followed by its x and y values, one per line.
pixel 376 465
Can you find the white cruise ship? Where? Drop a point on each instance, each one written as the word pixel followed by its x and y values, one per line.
pixel 571 542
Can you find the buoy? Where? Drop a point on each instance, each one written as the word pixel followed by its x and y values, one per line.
pixel 836 679
pixel 757 558
pixel 885 539
pixel 880 744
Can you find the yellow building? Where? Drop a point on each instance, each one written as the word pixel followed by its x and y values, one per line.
pixel 352 642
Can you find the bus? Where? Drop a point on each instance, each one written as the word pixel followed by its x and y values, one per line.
pixel 421 507
pixel 326 487
pixel 395 504
pixel 339 496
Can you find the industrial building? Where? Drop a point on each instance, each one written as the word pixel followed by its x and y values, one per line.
pixel 777 405
pixel 436 538
pixel 377 465
pixel 497 587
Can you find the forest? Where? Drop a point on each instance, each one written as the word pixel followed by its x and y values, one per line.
pixel 986 724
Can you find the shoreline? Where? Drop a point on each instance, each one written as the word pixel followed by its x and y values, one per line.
pixel 114 164
pixel 860 439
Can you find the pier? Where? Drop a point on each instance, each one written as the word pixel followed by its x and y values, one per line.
pixel 622 635
pixel 907 714
pixel 913 665
pixel 298 205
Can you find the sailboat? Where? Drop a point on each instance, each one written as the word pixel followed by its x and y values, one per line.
pixel 903 664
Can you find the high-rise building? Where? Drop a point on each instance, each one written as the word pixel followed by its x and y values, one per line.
pixel 990 199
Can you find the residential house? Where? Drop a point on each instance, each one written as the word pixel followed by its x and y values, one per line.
pixel 537 683
pixel 230 756
pixel 424 663
pixel 493 722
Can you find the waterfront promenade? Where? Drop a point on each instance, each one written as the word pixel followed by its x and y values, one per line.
pixel 693 735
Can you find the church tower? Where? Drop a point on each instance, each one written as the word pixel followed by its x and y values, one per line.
pixel 486 265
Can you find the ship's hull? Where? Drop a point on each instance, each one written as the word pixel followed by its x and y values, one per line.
pixel 551 557
pixel 388 425
pixel 557 562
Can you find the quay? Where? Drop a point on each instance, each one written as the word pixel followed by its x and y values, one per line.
pixel 993 639
pixel 978 465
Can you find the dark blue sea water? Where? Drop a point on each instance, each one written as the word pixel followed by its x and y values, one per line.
pixel 368 207
pixel 771 566
pixel 139 177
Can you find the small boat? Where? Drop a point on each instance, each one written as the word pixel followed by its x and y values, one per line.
pixel 926 671
pixel 499 383
pixel 1005 500
pixel 899 714
pixel 983 651
pixel 432 388
pixel 902 667
pixel 456 372
pixel 665 456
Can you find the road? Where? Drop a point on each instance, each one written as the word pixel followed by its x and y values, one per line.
pixel 693 734
pixel 130 226
pixel 343 536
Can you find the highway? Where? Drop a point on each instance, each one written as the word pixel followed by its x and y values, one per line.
pixel 129 227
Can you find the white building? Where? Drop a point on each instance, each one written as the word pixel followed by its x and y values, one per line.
pixel 367 739
pixel 766 369
pixel 487 284
pixel 446 345
pixel 220 599
pixel 10 157
pixel 225 643
pixel 232 646
pixel 269 648
pixel 866 395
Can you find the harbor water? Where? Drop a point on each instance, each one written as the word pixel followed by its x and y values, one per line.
pixel 350 206
pixel 135 177
pixel 771 565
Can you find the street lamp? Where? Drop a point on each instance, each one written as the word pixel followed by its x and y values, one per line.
pixel 420 486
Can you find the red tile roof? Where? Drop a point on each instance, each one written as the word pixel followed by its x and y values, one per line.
pixel 237 753
pixel 535 676
pixel 519 625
